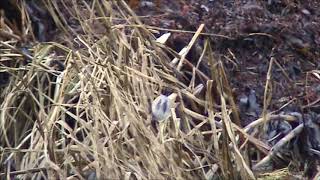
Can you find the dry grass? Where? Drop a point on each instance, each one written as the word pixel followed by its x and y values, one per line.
pixel 93 118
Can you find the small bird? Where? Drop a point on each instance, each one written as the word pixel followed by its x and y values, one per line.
pixel 161 106
pixel 135 3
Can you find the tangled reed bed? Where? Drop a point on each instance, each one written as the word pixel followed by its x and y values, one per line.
pixel 80 106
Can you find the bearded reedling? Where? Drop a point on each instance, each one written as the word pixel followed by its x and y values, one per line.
pixel 161 110
pixel 136 3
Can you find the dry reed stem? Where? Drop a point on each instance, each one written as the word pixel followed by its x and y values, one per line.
pixel 93 117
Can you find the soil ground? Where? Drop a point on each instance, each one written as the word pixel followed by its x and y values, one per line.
pixel 245 36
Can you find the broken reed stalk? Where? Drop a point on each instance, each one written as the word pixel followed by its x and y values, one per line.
pixel 28 171
pixel 210 107
pixel 267 94
pixel 275 149
pixel 227 92
pixel 5 34
pixel 193 40
pixel 29 57
pixel 210 101
pixel 226 165
pixel 245 171
pixel 230 151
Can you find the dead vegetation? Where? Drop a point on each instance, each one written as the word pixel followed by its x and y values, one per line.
pixel 79 105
